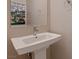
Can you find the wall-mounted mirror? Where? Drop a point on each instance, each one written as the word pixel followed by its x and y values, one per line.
pixel 29 12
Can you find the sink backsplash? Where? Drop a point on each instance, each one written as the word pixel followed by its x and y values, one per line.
pixel 22 31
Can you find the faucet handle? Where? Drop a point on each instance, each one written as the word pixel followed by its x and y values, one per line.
pixel 35 28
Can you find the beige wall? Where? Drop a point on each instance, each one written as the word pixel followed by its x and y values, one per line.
pixel 61 22
pixel 19 31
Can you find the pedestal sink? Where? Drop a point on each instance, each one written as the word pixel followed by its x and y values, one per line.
pixel 37 45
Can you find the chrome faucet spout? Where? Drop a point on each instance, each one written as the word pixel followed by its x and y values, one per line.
pixel 35 31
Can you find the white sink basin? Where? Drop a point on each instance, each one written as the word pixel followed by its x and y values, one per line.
pixel 29 43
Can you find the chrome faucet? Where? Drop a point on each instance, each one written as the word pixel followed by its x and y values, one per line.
pixel 35 31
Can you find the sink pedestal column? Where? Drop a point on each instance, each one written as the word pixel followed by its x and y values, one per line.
pixel 40 54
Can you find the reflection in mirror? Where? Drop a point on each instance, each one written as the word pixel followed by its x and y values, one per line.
pixel 18 12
